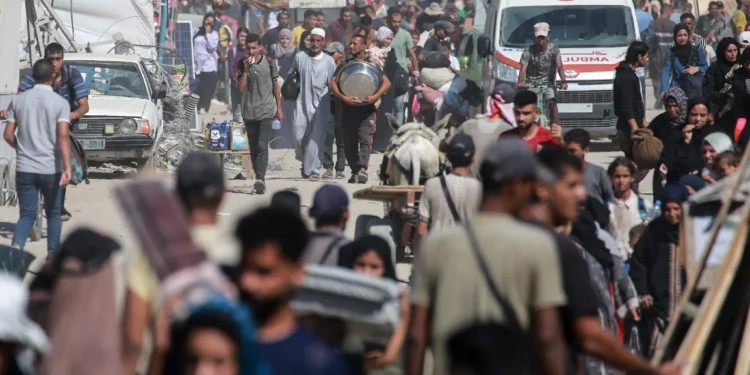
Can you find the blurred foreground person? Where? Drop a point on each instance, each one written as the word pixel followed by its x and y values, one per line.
pixel 18 333
pixel 330 209
pixel 73 299
pixel 462 276
pixel 200 187
pixel 271 268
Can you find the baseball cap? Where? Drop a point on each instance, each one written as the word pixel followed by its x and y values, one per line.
pixel 360 3
pixel 461 145
pixel 512 158
pixel 541 29
pixel 329 200
pixel 334 47
pixel 201 174
pixel 744 39
pixel 401 4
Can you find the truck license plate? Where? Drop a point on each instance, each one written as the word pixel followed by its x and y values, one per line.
pixel 93 144
pixel 575 108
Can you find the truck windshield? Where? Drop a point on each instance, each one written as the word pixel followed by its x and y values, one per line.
pixel 570 27
pixel 112 78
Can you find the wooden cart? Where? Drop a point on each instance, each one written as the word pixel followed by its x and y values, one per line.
pixel 400 219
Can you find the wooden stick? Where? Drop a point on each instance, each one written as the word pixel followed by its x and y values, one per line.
pixel 693 281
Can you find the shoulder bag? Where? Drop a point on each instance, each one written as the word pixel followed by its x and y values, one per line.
pixel 515 356
pixel 449 199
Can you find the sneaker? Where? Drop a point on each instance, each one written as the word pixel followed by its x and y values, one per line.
pixel 328 174
pixel 352 179
pixel 340 175
pixel 260 187
pixel 362 177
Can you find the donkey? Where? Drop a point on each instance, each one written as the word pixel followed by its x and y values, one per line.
pixel 413 154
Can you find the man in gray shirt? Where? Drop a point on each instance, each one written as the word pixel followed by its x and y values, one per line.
pixel 41 118
pixel 330 209
pixel 261 102
pixel 598 184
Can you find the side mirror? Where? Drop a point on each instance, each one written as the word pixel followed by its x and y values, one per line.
pixel 160 94
pixel 484 46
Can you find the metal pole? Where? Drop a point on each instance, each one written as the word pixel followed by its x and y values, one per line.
pixel 163 21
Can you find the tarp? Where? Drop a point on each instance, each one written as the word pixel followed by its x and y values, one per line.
pixel 96 21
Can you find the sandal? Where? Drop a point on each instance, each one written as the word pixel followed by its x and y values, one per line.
pixel 314 177
pixel 65 216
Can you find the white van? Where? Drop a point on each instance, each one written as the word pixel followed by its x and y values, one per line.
pixel 593 36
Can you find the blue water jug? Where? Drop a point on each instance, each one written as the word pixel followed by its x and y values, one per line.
pixel 218 137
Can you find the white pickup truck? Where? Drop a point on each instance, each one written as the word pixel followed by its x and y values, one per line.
pixel 125 108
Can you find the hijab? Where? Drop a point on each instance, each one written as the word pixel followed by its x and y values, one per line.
pixel 381 247
pixel 302 38
pixel 678 193
pixel 721 61
pixel 719 141
pixel 384 32
pixel 282 52
pixel 682 52
pixel 678 96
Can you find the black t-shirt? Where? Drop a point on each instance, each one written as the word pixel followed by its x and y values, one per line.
pixel 432 45
pixel 582 300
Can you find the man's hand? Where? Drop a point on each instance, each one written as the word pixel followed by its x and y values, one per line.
pixel 564 85
pixel 647 302
pixel 691 70
pixel 280 115
pixel 352 101
pixel 636 315
pixel 556 131
pixel 66 176
pixel 518 85
pixel 246 63
pixel 3 114
pixel 645 123
pixel 669 368
pixel 370 99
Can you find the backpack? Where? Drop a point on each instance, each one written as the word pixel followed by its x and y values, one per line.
pixel 78 162
pixel 642 211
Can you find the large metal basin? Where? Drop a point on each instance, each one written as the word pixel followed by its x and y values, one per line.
pixel 359 79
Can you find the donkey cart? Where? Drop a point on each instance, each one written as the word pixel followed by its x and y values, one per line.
pixel 400 219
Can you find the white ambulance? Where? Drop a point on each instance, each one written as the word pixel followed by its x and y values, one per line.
pixel 593 36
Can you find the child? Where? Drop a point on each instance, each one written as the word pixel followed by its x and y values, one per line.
pixel 598 184
pixel 447 49
pixel 727 162
pixel 635 234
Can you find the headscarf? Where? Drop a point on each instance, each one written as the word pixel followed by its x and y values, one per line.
pixel 302 38
pixel 721 61
pixel 381 247
pixel 384 32
pixel 678 193
pixel 279 49
pixel 675 93
pixel 234 321
pixel 719 141
pixel 82 301
pixel 694 181
pixel 682 52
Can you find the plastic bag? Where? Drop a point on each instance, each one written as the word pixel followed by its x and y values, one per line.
pixel 633 340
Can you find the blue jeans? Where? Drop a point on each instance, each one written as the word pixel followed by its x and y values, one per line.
pixel 28 186
pixel 398 105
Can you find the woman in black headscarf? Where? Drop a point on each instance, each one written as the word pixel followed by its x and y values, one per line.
pixel 372 256
pixel 654 267
pixel 717 83
pixel 683 58
pixel 666 127
pixel 304 46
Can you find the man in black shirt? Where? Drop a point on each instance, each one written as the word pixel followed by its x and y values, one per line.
pixel 439 33
pixel 557 206
pixel 271 36
pixel 358 117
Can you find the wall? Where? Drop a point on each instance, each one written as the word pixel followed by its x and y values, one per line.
pixel 10 23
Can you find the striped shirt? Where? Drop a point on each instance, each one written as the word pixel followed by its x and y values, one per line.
pixel 697 41
pixel 70 77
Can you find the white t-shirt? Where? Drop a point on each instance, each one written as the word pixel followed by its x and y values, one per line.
pixel 454 63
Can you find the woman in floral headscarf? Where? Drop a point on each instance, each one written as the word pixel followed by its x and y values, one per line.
pixel 666 127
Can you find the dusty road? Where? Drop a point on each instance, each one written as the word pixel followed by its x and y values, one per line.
pixel 95 206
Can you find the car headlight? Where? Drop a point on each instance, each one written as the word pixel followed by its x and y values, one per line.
pixel 504 72
pixel 128 126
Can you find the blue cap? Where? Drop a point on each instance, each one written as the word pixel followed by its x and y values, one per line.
pixel 329 200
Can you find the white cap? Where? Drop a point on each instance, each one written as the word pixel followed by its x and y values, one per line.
pixel 318 31
pixel 15 326
pixel 541 29
pixel 744 39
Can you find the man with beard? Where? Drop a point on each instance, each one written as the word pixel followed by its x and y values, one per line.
pixel 273 242
pixel 556 207
pixel 441 29
pixel 339 30
pixel 313 107
pixel 526 111
pixel 271 36
pixel 663 28
pixel 403 47
pixel 360 117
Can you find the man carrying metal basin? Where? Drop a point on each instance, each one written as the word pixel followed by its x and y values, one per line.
pixel 358 84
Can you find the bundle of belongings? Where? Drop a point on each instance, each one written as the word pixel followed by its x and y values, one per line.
pixel 336 301
pixel 439 85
